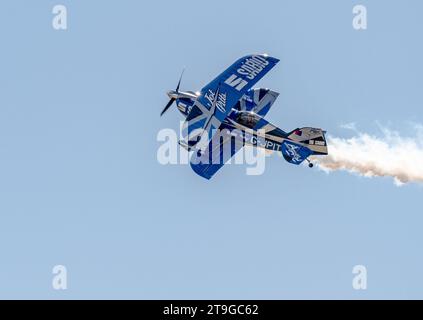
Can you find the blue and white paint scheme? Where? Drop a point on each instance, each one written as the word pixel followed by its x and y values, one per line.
pixel 228 113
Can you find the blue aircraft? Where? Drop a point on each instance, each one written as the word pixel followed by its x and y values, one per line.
pixel 228 113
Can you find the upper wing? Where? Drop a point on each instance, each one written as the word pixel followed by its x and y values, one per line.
pixel 219 96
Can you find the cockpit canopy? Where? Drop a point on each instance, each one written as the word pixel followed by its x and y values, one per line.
pixel 248 119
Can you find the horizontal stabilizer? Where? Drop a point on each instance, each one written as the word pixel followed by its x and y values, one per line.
pixel 295 153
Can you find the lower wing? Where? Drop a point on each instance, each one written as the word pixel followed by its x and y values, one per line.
pixel 221 148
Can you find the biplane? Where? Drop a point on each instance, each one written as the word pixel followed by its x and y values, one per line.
pixel 228 114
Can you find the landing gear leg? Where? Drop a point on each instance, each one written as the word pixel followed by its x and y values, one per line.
pixel 310 164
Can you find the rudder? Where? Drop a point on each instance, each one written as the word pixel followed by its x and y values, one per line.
pixel 313 138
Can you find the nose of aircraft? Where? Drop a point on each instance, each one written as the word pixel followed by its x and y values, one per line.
pixel 172 94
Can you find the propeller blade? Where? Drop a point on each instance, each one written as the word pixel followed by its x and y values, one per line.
pixel 167 106
pixel 179 82
pixel 173 99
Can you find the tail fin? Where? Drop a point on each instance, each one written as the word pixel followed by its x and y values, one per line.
pixel 313 138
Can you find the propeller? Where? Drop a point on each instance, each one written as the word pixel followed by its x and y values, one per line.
pixel 167 106
pixel 172 95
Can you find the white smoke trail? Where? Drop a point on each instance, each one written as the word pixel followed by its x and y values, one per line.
pixel 390 155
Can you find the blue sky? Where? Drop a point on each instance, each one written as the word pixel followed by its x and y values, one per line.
pixel 80 184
